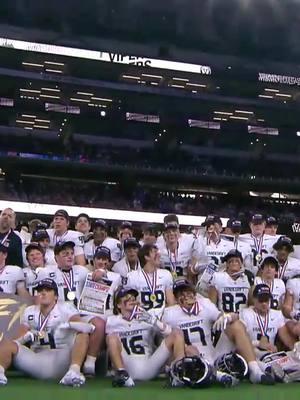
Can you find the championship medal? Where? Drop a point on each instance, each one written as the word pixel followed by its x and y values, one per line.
pixel 151 285
pixel 153 297
pixel 71 296
pixel 69 282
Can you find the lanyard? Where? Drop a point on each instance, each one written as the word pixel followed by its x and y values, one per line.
pixel 175 255
pixel 43 323
pixel 282 269
pixel 5 237
pixel 129 268
pixel 132 314
pixel 193 311
pixel 68 278
pixel 151 285
pixel 209 241
pixel 57 238
pixel 263 324
pixel 258 243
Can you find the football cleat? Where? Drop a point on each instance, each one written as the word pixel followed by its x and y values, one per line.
pixel 3 380
pixel 122 379
pixel 228 381
pixel 73 378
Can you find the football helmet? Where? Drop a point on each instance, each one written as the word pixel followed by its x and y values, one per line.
pixel 192 372
pixel 232 364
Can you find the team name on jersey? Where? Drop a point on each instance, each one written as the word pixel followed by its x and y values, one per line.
pixel 190 324
pixel 257 329
pixel 4 282
pixel 234 289
pixel 131 333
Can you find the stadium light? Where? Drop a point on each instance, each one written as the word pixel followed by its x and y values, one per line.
pixel 298 133
pixel 110 214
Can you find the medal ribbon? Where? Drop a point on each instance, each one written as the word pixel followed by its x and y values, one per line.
pixel 151 286
pixel 258 243
pixel 271 285
pixel 193 311
pixel 263 325
pixel 57 238
pixel 282 269
pixel 69 279
pixel 208 240
pixel 133 313
pixel 135 267
pixel 43 323
pixel 173 264
pixel 6 236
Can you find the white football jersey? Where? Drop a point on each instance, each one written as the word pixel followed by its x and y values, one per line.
pixel 68 236
pixel 136 280
pixel 232 294
pixel 196 328
pixel 258 326
pixel 264 244
pixel 115 283
pixel 215 251
pixel 32 278
pixel 289 269
pixel 112 244
pixel 77 274
pixel 293 287
pixel 53 338
pixel 188 249
pixel 136 336
pixel 122 267
pixel 277 290
pixel 10 276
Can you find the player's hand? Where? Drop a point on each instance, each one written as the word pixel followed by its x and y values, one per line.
pixel 264 344
pixel 99 274
pixel 145 316
pixel 222 322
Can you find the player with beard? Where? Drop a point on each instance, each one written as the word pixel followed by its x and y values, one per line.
pixel 83 225
pixel 230 289
pixel 62 233
pixel 35 256
pixel 288 266
pixel 130 261
pixel 153 284
pixel 57 351
pixel 70 280
pixel 130 342
pixel 268 271
pixel 179 252
pixel 260 243
pixel 101 238
pixel 9 238
pixel 264 324
pixel 197 317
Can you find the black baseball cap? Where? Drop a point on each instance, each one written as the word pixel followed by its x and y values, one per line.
pixel 234 223
pixel 284 241
pixel 152 229
pixel 62 213
pixel 257 219
pixel 102 252
pixel 47 283
pixel 232 253
pixel 270 221
pixel 62 246
pixel 3 248
pixel 131 242
pixel 126 225
pixel 100 223
pixel 171 225
pixel 83 215
pixel 212 219
pixel 262 291
pixel 40 234
pixel 120 293
pixel 269 260
pixel 34 246
pixel 182 284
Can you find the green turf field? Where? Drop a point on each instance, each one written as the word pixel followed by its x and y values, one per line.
pixel 100 389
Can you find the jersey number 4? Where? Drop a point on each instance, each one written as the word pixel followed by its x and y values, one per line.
pixel 133 345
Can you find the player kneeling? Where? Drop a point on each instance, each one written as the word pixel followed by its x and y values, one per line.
pixel 130 341
pixel 58 340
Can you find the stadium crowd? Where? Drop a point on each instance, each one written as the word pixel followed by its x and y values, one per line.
pixel 212 305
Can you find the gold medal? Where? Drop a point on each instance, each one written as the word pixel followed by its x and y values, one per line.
pixel 71 296
pixel 153 297
pixel 258 257
pixel 174 274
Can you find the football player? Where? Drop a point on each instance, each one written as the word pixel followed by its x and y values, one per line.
pixel 130 261
pixel 11 277
pixel 234 228
pixel 288 266
pixel 264 324
pixel 150 233
pixel 130 342
pixel 271 227
pixel 83 225
pixel 291 305
pixel 230 289
pixel 260 243
pixel 57 351
pixel 42 238
pixel 70 280
pixel 153 284
pixel 35 256
pixel 197 317
pixel 61 233
pixel 268 270
pixel 179 253
pixel 101 238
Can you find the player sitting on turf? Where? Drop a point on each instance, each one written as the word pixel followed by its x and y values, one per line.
pixel 197 316
pixel 130 342
pixel 58 340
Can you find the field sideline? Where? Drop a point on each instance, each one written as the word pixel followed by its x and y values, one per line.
pixel 27 389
